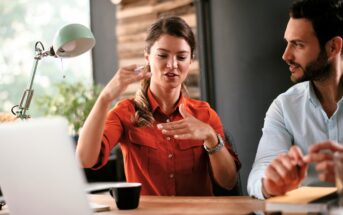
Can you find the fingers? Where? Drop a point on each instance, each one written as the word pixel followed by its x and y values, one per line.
pixel 322 155
pixel 276 172
pixel 177 129
pixel 130 67
pixel 121 80
pixel 296 154
pixel 284 173
pixel 273 175
pixel 133 73
pixel 286 169
pixel 326 145
pixel 187 128
pixel 171 125
pixel 327 166
pixel 298 159
pixel 319 157
pixel 183 136
pixel 326 171
pixel 302 171
pixel 272 188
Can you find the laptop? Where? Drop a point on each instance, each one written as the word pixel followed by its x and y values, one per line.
pixel 39 173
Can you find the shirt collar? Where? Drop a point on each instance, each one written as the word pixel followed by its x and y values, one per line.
pixel 312 95
pixel 154 104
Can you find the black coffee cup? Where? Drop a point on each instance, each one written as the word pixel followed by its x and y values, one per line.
pixel 126 194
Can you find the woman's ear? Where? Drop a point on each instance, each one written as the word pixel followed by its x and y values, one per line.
pixel 334 46
pixel 146 57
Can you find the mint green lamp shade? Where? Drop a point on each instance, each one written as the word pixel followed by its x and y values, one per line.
pixel 73 40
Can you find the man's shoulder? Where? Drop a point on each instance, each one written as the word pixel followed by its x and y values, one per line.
pixel 296 92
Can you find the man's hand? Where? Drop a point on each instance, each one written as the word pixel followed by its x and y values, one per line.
pixel 284 173
pixel 322 155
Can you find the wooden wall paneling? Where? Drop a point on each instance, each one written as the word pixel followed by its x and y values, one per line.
pixel 133 19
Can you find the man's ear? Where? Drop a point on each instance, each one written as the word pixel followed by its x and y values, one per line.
pixel 334 46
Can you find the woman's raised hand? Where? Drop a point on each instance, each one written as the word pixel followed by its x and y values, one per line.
pixel 122 79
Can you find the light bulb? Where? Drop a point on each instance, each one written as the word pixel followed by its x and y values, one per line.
pixel 68 47
pixel 116 1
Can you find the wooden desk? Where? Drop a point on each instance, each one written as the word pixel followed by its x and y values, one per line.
pixel 150 205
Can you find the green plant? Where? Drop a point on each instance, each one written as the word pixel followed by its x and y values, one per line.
pixel 72 100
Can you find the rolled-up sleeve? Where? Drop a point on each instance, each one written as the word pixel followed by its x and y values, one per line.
pixel 275 140
pixel 111 136
pixel 215 122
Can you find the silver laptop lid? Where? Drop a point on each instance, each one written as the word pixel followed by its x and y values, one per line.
pixel 39 173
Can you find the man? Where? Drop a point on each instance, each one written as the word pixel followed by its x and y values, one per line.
pixel 308 118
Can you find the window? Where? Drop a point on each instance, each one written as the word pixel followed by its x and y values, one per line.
pixel 22 24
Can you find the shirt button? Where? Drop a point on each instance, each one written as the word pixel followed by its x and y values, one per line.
pixel 168 138
pixel 171 175
pixel 170 155
pixel 167 120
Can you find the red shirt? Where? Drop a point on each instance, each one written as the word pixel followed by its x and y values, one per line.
pixel 164 165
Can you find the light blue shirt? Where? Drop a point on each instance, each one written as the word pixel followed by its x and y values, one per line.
pixel 295 117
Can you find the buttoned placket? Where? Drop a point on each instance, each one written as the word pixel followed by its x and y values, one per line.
pixel 171 165
pixel 332 126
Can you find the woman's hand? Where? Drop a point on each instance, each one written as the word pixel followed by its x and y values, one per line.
pixel 189 128
pixel 222 163
pixel 121 80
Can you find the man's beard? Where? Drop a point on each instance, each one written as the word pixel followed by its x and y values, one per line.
pixel 317 70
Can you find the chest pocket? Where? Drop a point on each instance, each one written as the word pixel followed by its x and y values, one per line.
pixel 145 151
pixel 190 157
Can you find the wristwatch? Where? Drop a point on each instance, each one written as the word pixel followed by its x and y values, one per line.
pixel 217 147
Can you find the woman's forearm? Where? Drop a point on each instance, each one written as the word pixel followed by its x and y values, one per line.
pixel 224 168
pixel 89 143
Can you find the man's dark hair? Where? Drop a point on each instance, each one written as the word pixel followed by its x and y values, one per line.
pixel 326 17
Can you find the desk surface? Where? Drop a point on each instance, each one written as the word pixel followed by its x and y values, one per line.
pixel 150 205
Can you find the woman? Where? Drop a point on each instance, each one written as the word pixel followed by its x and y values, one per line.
pixel 161 131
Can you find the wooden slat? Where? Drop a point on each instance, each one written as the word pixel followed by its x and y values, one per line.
pixel 190 19
pixel 128 12
pixel 135 18
pixel 127 54
pixel 133 28
pixel 141 27
pixel 133 45
pixel 131 37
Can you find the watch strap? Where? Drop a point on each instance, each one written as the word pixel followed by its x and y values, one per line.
pixel 217 147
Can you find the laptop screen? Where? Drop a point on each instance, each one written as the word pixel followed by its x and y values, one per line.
pixel 39 170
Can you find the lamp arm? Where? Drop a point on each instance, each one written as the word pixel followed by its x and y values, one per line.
pixel 70 41
pixel 28 93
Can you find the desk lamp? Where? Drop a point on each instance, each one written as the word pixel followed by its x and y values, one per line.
pixel 70 41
